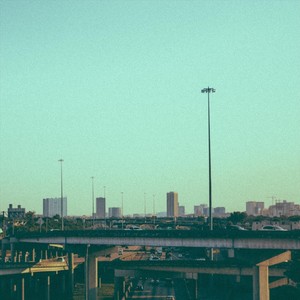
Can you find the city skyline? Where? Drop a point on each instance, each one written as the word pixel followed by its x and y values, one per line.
pixel 277 207
pixel 114 89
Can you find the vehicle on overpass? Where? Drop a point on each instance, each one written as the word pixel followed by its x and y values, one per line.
pixel 235 228
pixel 272 228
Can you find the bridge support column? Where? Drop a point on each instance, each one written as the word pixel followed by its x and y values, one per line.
pixel 118 288
pixel 91 274
pixel 47 287
pixel 193 277
pixel 255 284
pixel 198 285
pixel 22 288
pixel 263 274
pixel 12 252
pixel 70 279
pixel 230 253
pixel 264 292
pixel 93 277
pixel 4 246
pixel 33 256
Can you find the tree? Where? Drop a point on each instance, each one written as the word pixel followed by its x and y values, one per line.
pixel 237 217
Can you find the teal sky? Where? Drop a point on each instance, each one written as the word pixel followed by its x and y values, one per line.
pixel 114 88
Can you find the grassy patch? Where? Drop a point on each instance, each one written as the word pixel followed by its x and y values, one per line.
pixel 106 292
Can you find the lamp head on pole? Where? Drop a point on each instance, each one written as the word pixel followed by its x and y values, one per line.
pixel 208 90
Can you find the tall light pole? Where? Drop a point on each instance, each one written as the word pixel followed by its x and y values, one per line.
pixel 93 200
pixel 104 188
pixel 209 90
pixel 122 194
pixel 145 211
pixel 154 209
pixel 61 194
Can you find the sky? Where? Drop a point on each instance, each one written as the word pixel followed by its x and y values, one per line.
pixel 114 89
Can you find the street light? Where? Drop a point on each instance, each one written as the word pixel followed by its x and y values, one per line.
pixel 93 201
pixel 154 209
pixel 61 194
pixel 122 209
pixel 104 188
pixel 145 211
pixel 209 90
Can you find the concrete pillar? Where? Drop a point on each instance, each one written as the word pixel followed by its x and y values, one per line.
pixel 23 288
pixel 230 253
pixel 4 245
pixel 33 255
pixel 47 288
pixel 45 254
pixel 70 278
pixel 19 256
pixel 264 291
pixel 13 288
pixel 23 256
pixel 263 271
pixel 12 252
pixel 198 282
pixel 117 289
pixel 255 284
pixel 93 276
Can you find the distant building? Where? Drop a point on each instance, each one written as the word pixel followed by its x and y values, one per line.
pixel 284 208
pixel 172 204
pixel 115 212
pixel 200 210
pixel 100 207
pixel 206 211
pixel 254 208
pixel 181 210
pixel 15 213
pixel 161 214
pixel 52 207
pixel 219 211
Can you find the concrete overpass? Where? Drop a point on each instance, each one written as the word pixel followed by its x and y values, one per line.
pixel 285 240
pixel 90 240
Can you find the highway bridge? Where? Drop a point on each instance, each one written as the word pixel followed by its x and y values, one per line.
pixel 281 240
pixel 92 240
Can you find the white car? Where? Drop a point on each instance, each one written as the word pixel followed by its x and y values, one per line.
pixel 154 258
pixel 272 228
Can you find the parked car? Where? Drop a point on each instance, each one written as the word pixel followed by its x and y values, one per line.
pixel 272 228
pixel 170 298
pixel 235 227
pixel 140 287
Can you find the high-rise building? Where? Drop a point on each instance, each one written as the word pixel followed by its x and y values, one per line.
pixel 15 213
pixel 100 207
pixel 52 207
pixel 172 204
pixel 254 208
pixel 114 212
